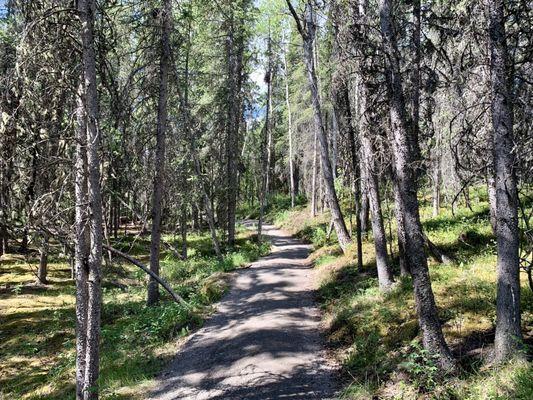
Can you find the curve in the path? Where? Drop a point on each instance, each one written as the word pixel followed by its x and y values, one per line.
pixel 264 341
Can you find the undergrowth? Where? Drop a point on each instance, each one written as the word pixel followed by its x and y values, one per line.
pixel 375 336
pixel 37 355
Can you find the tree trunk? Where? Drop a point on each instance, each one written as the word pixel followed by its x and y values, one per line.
pixel 43 261
pixel 314 177
pixel 415 80
pixel 437 182
pixel 371 183
pixel 508 339
pixel 265 146
pixel 81 258
pixel 432 336
pixel 405 270
pixel 235 44
pixel 207 201
pixel 183 229
pixel 491 190
pixel 341 104
pixel 162 112
pixel 364 213
pixel 289 122
pixel 90 387
pixel 308 36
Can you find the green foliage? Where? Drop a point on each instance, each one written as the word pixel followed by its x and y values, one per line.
pixel 422 367
pixel 376 334
pixel 365 354
pixel 43 330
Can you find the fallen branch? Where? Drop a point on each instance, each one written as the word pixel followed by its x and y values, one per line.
pixel 137 263
pixel 437 254
pixel 65 240
pixel 173 250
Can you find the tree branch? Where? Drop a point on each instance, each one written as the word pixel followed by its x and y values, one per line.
pixel 296 19
pixel 137 263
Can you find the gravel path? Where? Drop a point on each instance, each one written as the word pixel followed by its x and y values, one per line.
pixel 264 341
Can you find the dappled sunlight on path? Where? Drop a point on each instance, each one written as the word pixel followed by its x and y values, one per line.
pixel 264 342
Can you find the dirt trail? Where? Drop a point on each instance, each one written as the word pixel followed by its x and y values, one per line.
pixel 264 341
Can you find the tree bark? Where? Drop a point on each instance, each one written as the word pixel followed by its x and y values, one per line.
pixel 415 80
pixel 90 387
pixel 162 112
pixel 385 278
pixel 405 270
pixel 43 261
pixel 508 340
pixel 364 213
pixel 432 336
pixel 88 215
pixel 81 260
pixel 437 182
pixel 491 190
pixel 314 177
pixel 183 230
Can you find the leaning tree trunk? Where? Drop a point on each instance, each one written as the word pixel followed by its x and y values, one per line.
pixel 432 336
pixel 162 112
pixel 400 226
pixel 508 339
pixel 415 81
pixel 308 36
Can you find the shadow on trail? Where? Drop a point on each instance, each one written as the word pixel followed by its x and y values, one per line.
pixel 264 341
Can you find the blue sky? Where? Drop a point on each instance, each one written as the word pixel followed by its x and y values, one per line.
pixel 2 7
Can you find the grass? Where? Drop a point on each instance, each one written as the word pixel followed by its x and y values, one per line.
pixel 37 355
pixel 375 336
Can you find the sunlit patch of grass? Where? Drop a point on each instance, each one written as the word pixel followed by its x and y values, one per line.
pixel 37 355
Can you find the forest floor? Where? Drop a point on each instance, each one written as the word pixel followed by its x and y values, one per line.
pixel 37 351
pixel 374 336
pixel 264 342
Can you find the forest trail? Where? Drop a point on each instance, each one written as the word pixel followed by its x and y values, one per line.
pixel 264 341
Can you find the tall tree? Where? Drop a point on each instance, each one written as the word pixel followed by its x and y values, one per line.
pixel 432 336
pixel 372 189
pixel 508 339
pixel 162 115
pixel 235 58
pixel 89 134
pixel 307 30
pixel 292 182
